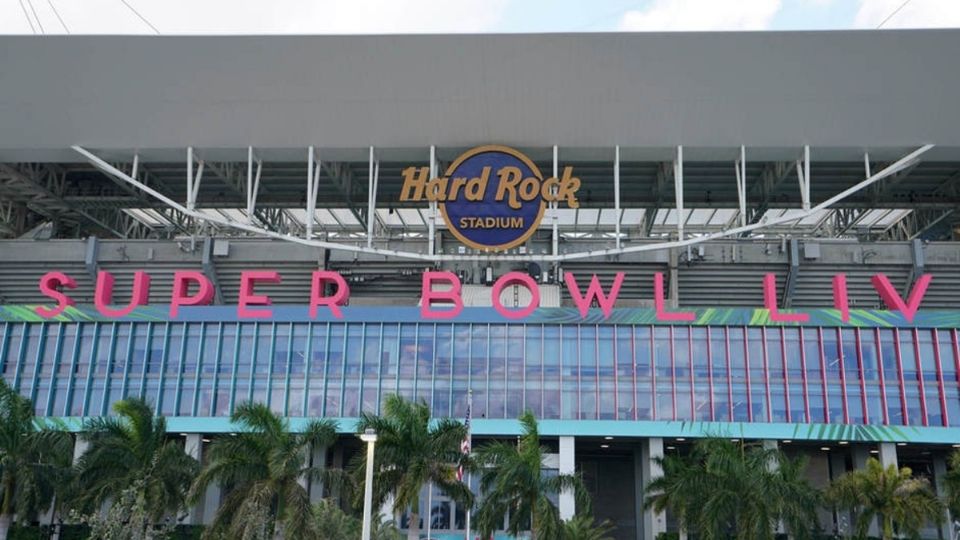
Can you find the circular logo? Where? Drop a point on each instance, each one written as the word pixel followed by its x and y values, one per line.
pixel 495 198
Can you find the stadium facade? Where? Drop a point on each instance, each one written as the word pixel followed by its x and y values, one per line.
pixel 644 239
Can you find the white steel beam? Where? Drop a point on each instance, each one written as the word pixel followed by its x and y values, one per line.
pixel 740 167
pixel 313 187
pixel 432 217
pixel 310 201
pixel 253 183
pixel 678 191
pixel 616 193
pixel 555 234
pixel 373 177
pixel 803 177
pixel 193 183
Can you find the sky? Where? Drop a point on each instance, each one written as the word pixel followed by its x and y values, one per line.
pixel 463 16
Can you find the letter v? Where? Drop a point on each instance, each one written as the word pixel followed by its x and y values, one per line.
pixel 893 300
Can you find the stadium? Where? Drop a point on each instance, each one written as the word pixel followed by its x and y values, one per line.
pixel 644 239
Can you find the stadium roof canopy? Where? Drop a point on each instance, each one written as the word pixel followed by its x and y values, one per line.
pixel 859 101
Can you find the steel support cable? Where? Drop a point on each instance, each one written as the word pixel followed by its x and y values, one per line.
pixel 27 15
pixel 34 11
pixel 141 17
pixel 59 18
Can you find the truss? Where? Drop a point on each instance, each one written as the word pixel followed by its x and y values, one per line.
pixel 277 224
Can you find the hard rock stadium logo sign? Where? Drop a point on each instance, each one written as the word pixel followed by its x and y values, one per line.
pixel 491 197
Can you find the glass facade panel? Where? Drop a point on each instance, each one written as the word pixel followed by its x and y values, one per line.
pixel 585 371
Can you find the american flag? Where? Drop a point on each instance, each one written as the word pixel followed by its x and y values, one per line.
pixel 465 445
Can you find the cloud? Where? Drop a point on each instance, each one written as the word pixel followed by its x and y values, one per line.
pixel 679 15
pixel 915 14
pixel 259 16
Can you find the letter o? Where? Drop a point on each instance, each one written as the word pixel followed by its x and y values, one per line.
pixel 529 188
pixel 515 278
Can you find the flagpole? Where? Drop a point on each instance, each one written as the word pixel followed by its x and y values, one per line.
pixel 470 442
pixel 430 511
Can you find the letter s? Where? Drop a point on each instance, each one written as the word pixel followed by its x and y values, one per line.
pixel 50 285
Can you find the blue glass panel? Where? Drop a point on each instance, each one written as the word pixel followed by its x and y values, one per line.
pixel 408 359
pixel 436 387
pixel 334 371
pixel 928 360
pixel 721 380
pixel 279 366
pixel 479 343
pixel 533 370
pixel 515 368
pixel 371 367
pixel 811 357
pixel 245 358
pixel 390 358
pixel 461 368
pixel 908 356
pixel 496 391
pixel 570 377
pixel 318 365
pixel 11 355
pixel 425 361
pixel 606 374
pixel 625 376
pixel 589 391
pixel 352 358
pixel 552 374
pixel 78 395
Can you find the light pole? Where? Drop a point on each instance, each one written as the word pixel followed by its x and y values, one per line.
pixel 369 436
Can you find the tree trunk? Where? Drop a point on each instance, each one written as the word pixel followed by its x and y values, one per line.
pixel 5 521
pixel 413 533
pixel 886 533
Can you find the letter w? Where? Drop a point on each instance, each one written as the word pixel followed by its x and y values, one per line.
pixel 594 291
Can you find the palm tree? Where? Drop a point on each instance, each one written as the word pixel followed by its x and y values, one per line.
pixel 583 527
pixel 335 524
pixel 952 484
pixel 725 487
pixel 412 452
pixel 514 484
pixel 34 459
pixel 261 468
pixel 131 462
pixel 898 501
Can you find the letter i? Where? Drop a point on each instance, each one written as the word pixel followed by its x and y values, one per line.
pixel 840 300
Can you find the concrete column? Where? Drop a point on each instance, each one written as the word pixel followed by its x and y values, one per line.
pixel 194 448
pixel 80 448
pixel 337 463
pixel 567 465
pixel 939 474
pixel 888 454
pixel 318 457
pixel 202 513
pixel 50 517
pixel 861 454
pixel 773 465
pixel 838 467
pixel 650 470
pixel 673 295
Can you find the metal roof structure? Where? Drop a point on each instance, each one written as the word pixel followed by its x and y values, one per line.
pixel 614 106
